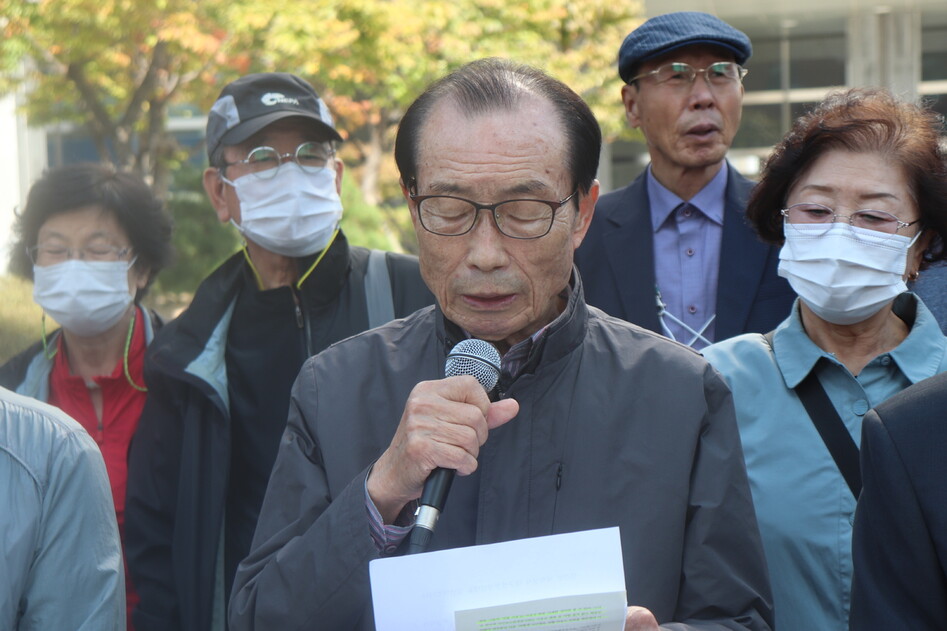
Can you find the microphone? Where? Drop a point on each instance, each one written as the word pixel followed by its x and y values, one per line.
pixel 481 361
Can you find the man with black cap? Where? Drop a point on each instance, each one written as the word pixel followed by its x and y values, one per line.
pixel 219 376
pixel 671 252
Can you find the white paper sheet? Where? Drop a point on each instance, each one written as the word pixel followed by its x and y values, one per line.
pixel 575 581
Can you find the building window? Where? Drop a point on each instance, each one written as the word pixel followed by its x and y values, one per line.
pixel 788 72
pixel 762 125
pixel 934 54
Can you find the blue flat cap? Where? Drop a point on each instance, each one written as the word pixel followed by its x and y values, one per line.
pixel 664 33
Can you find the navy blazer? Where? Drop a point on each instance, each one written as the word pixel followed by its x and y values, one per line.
pixel 900 538
pixel 616 261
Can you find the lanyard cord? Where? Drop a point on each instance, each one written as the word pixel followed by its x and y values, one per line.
pixel 128 343
pixel 46 351
pixel 50 353
pixel 663 312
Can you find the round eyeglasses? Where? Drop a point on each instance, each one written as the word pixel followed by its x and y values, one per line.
pixel 680 74
pixel 46 254
pixel 264 162
pixel 812 215
pixel 451 216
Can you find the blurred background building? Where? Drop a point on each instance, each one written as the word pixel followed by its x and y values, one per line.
pixel 802 49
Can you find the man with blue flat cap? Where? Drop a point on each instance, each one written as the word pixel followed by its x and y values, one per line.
pixel 671 252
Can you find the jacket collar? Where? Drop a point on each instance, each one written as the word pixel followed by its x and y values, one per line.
pixel 35 380
pixel 202 327
pixel 324 283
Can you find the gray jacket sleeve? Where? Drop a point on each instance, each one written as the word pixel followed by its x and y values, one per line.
pixel 308 564
pixel 724 582
pixel 62 560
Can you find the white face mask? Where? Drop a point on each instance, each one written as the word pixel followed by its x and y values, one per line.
pixel 293 213
pixel 847 274
pixel 85 297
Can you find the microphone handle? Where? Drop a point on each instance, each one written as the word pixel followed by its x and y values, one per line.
pixel 431 505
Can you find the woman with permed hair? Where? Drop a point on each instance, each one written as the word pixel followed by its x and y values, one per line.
pixel 855 195
pixel 91 239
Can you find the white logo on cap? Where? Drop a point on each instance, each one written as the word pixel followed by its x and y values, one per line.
pixel 275 98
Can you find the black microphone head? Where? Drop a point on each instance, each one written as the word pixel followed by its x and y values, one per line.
pixel 476 358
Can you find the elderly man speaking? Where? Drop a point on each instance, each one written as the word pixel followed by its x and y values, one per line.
pixel 594 422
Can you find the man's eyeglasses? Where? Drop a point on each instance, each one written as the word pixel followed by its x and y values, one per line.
pixel 810 214
pixel 46 254
pixel 451 216
pixel 264 162
pixel 680 74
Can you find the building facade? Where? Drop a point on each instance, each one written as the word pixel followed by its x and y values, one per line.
pixel 804 49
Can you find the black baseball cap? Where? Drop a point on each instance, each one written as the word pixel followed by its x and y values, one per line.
pixel 252 102
pixel 664 33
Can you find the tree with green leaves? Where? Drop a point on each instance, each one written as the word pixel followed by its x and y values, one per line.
pixel 371 59
pixel 115 67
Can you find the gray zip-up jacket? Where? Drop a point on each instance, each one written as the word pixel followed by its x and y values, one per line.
pixel 617 426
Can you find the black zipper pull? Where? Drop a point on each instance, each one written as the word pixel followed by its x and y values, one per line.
pixel 299 316
pixel 559 477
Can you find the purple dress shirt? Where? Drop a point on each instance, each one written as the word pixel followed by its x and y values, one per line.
pixel 687 236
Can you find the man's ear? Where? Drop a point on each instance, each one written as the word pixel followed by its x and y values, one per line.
pixel 339 171
pixel 215 187
pixel 407 197
pixel 629 97
pixel 584 217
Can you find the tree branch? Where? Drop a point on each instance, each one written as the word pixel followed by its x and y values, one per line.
pixel 145 89
pixel 75 72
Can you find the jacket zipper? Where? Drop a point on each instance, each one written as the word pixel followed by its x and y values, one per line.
pixel 302 322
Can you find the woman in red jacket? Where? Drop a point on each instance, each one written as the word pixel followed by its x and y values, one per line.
pixel 91 239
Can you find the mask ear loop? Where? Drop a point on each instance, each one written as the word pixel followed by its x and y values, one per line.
pixel 914 240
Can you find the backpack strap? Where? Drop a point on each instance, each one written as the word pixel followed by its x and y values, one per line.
pixel 832 430
pixel 829 425
pixel 381 308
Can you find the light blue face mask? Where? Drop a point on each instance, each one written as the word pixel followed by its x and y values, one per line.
pixel 294 213
pixel 86 298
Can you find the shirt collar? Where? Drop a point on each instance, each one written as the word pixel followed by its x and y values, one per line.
pixel 709 200
pixel 918 356
pixel 796 354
